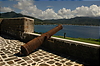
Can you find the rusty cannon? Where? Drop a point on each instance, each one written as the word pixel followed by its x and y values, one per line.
pixel 30 46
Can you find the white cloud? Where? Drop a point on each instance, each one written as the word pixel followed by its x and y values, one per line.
pixel 23 4
pixel 91 11
pixel 65 13
pixel 27 7
pixel 49 6
pixel 6 9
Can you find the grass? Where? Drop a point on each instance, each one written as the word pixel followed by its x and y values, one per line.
pixel 87 40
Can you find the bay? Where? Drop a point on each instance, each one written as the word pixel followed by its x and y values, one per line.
pixel 74 31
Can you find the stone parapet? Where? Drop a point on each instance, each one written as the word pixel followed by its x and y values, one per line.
pixel 85 52
pixel 17 26
pixel 40 57
pixel 23 27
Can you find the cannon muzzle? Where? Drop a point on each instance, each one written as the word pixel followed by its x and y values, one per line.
pixel 27 48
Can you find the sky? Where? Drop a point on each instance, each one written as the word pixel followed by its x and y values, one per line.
pixel 52 9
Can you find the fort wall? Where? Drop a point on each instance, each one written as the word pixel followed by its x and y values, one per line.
pixel 17 26
pixel 23 29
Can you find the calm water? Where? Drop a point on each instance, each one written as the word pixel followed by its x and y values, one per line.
pixel 72 31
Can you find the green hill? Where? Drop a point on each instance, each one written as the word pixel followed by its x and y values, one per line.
pixel 76 21
pixel 14 15
pixel 73 21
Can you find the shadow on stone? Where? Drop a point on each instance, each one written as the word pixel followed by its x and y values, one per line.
pixel 6 36
pixel 19 54
pixel 62 55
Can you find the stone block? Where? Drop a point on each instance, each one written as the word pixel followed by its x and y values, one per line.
pixel 17 26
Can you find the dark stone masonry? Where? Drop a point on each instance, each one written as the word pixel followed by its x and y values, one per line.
pixel 10 46
pixel 53 52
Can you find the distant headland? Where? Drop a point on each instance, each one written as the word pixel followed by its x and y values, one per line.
pixel 90 21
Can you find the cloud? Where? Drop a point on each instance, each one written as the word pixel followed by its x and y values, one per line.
pixel 49 6
pixel 66 13
pixel 27 7
pixel 23 4
pixel 91 11
pixel 82 11
pixel 6 9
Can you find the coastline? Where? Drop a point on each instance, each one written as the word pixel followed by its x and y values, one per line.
pixel 67 24
pixel 87 40
pixel 71 30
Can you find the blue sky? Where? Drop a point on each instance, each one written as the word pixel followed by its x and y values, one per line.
pixel 56 5
pixel 46 9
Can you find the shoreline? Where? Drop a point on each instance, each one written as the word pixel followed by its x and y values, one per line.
pixel 87 40
pixel 67 24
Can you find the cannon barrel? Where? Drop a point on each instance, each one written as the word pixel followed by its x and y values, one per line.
pixel 27 48
pixel 52 31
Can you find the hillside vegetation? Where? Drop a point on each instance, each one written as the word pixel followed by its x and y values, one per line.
pixel 87 40
pixel 14 15
pixel 73 21
pixel 76 21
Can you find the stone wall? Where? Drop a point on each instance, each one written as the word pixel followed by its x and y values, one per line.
pixel 81 51
pixel 17 26
pixel 23 27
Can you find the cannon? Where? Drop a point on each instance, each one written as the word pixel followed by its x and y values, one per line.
pixel 30 46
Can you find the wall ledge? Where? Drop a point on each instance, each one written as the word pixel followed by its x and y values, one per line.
pixel 79 42
pixel 67 40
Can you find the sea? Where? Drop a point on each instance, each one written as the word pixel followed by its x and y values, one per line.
pixel 74 31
